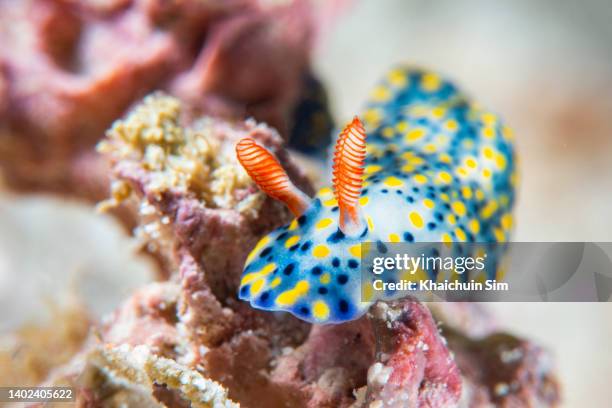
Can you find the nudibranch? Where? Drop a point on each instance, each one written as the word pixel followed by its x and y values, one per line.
pixel 435 168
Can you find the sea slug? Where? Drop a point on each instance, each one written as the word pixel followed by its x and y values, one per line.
pixel 436 168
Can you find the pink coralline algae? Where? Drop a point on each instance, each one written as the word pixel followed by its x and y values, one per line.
pixel 69 68
pixel 414 366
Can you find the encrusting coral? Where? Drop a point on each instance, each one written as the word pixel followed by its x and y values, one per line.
pixel 189 160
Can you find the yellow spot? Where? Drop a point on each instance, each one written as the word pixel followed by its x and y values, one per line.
pixel 372 116
pixel 445 177
pixel 514 179
pixel 480 252
pixel 474 226
pixel 444 197
pixel 380 94
pixel 325 278
pixel 481 278
pixel 419 178
pixel 372 168
pixel 262 242
pixel 370 223
pixel 506 221
pixel 500 160
pixel 289 297
pixel 393 181
pixel 397 78
pixel 415 276
pixel 325 191
pixel 275 282
pixel 373 150
pixel 489 119
pixel 460 234
pixel 488 132
pixel 438 112
pixel 504 200
pixel 388 132
pixel 489 209
pixel 402 126
pixel 250 277
pixel 471 163
pixel 451 219
pixel 444 158
pixel 256 287
pixel 500 274
pixel 363 201
pixel 462 172
pixel 508 133
pixel 444 275
pixel 430 148
pixel 499 235
pixel 451 125
pixel 324 223
pixel 320 310
pixel 394 238
pixel 466 192
pixel 293 225
pixel 355 250
pixel 416 219
pixel 408 168
pixel 446 238
pixel 487 152
pixel 330 203
pixel 415 134
pixel 292 241
pixel 479 195
pixel 367 292
pixel 320 251
pixel 430 82
pixel 486 173
pixel 428 203
pixel 459 208
pixel 417 160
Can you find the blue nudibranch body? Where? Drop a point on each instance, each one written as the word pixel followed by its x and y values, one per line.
pixel 437 168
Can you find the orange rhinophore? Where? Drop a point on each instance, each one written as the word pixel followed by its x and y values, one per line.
pixel 349 157
pixel 269 175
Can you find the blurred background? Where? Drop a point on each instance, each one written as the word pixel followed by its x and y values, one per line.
pixel 545 67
